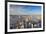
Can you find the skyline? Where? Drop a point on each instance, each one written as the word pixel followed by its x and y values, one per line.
pixel 24 10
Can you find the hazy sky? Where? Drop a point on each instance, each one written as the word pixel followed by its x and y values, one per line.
pixel 24 10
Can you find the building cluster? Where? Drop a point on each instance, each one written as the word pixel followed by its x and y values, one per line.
pixel 21 22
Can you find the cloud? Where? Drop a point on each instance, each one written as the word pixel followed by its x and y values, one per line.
pixel 23 10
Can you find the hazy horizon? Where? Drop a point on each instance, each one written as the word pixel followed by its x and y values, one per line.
pixel 25 10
